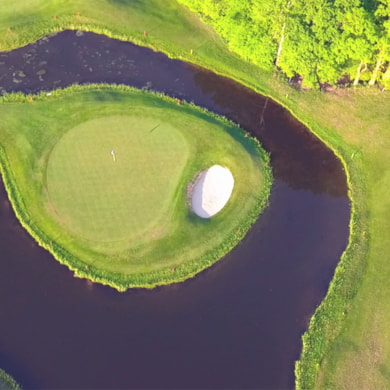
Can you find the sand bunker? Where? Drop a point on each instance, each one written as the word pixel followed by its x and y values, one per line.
pixel 211 191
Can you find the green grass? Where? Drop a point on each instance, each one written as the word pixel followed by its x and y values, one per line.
pixel 126 223
pixel 347 345
pixel 7 382
pixel 120 196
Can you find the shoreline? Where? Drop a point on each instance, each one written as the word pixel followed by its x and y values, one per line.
pixel 148 280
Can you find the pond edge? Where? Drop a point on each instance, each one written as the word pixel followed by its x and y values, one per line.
pixel 116 280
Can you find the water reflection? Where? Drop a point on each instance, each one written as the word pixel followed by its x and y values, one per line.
pixel 298 158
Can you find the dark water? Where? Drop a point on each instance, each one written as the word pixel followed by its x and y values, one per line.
pixel 236 325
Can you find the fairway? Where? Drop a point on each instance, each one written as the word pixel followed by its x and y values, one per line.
pixel 114 178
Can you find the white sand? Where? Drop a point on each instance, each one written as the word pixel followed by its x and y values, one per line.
pixel 211 191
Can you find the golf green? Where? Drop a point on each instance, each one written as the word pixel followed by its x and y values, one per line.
pixel 115 177
pixel 101 176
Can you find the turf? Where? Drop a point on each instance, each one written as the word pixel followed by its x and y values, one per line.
pixel 115 177
pixel 348 342
pixel 128 222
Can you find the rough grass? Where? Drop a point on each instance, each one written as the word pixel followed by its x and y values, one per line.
pixel 58 168
pixel 348 342
pixel 358 305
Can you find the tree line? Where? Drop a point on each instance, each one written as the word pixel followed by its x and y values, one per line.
pixel 318 41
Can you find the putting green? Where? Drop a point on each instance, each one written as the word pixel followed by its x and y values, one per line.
pixel 115 177
pixel 101 177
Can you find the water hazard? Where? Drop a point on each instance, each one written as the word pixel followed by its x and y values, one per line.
pixel 236 325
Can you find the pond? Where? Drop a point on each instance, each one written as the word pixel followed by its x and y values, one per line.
pixel 235 325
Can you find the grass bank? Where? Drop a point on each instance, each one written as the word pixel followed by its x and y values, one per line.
pixel 347 345
pixel 124 219
pixel 7 382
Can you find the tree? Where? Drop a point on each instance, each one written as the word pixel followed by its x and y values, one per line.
pixel 358 36
pixel 382 48
pixel 273 15
pixel 319 40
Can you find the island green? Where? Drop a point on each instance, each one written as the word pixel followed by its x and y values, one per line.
pixel 100 176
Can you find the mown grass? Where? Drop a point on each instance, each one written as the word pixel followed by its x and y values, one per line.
pixel 7 382
pixel 59 173
pixel 347 345
pixel 115 177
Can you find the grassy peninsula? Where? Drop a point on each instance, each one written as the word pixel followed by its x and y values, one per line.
pixel 348 342
pixel 99 175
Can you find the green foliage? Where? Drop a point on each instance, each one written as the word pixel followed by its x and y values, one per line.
pixel 246 31
pixel 321 41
